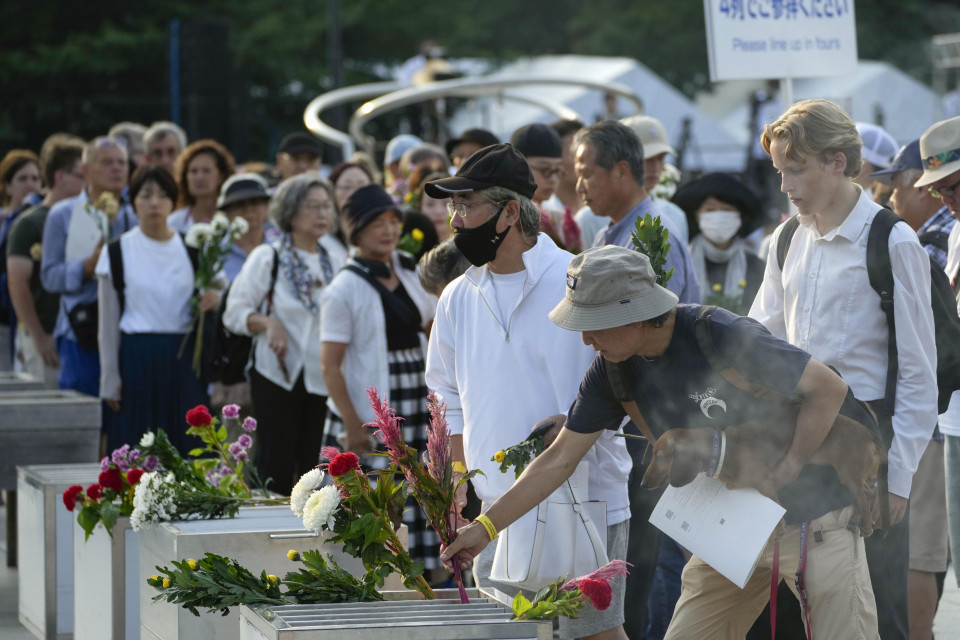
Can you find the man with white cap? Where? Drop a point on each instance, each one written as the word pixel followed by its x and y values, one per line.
pixel 613 300
pixel 940 153
pixel 879 148
pixel 500 364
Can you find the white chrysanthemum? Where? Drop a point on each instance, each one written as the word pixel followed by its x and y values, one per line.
pixel 153 500
pixel 219 223
pixel 147 439
pixel 301 491
pixel 320 509
pixel 198 234
pixel 239 227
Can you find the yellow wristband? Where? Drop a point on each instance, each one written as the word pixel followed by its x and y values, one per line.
pixel 458 467
pixel 485 521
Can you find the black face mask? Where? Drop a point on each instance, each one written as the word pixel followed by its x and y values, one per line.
pixel 479 245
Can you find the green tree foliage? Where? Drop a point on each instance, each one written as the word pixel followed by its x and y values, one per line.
pixel 81 67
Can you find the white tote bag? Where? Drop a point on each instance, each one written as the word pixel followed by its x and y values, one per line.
pixel 561 537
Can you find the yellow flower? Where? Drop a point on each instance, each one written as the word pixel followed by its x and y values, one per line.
pixel 417 235
pixel 742 283
pixel 107 202
pixel 272 578
pixel 192 564
pixel 36 251
pixel 718 287
pixel 166 583
pixel 458 467
pixel 154 578
pixel 642 222
pixel 293 555
pixel 500 455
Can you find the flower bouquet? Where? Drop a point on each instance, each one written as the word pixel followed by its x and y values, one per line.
pixel 432 483
pixel 112 495
pixel 212 241
pixel 411 242
pixel 566 598
pixel 216 583
pixel 650 239
pixel 103 211
pixel 731 302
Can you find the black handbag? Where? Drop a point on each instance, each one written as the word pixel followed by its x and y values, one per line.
pixel 85 322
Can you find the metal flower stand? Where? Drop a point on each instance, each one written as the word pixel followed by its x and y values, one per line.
pixel 45 554
pixel 258 538
pixel 402 616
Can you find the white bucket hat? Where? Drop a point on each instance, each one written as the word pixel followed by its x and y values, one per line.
pixel 610 287
pixel 940 150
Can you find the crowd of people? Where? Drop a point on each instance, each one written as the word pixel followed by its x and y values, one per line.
pixel 503 276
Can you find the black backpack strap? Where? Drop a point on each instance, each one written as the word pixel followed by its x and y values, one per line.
pixel 273 279
pixel 880 273
pixel 115 254
pixel 786 237
pixel 621 379
pixel 936 238
pixel 391 298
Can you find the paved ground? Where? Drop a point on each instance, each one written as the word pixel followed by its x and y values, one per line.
pixel 946 625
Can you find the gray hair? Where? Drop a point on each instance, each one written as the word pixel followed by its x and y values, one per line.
pixel 102 142
pixel 291 193
pixel 529 212
pixel 440 266
pixel 162 129
pixel 132 133
pixel 906 178
pixel 614 142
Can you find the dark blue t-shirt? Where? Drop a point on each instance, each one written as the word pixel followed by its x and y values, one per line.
pixel 680 389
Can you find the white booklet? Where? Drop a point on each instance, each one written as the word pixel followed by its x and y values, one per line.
pixel 726 528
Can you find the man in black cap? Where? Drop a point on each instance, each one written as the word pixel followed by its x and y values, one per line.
pixel 497 360
pixel 299 152
pixel 469 142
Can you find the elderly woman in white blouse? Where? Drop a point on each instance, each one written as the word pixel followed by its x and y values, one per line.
pixel 276 299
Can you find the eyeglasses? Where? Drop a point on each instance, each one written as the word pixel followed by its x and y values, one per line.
pixel 316 207
pixel 547 172
pixel 462 209
pixel 944 192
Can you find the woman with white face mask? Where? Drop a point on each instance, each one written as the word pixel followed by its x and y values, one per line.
pixel 721 211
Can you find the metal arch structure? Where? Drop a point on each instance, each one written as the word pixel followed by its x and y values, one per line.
pixel 473 87
pixel 390 95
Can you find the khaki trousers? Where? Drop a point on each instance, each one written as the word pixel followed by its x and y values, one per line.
pixel 841 604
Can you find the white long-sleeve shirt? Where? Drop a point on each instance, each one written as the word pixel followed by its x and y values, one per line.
pixel 497 388
pixel 247 295
pixel 823 302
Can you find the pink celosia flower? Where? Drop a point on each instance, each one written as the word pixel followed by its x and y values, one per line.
pixel 609 571
pixel 388 427
pixel 438 438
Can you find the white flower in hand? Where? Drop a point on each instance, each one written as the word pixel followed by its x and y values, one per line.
pixel 301 491
pixel 239 227
pixel 198 235
pixel 321 508
pixel 220 222
pixel 147 439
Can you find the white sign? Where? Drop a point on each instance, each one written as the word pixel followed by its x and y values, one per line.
pixel 780 38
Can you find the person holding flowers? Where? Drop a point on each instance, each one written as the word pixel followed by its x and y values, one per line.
pixel 146 288
pixel 201 170
pixel 372 335
pixel 276 298
pixel 245 196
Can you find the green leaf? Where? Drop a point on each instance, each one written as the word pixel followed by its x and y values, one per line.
pixel 520 605
pixel 109 512
pixel 88 518
pixel 196 452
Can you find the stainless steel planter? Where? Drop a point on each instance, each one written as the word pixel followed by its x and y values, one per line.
pixel 259 538
pixel 10 381
pixel 403 616
pixel 45 552
pixel 46 427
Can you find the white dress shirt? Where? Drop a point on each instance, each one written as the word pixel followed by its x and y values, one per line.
pixel 823 302
pixel 950 421
pixel 248 294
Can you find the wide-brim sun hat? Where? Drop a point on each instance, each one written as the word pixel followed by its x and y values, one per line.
pixel 940 150
pixel 610 287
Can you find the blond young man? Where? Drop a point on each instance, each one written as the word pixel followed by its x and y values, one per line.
pixel 822 301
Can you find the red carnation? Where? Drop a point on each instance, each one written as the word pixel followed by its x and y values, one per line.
pixel 199 416
pixel 133 476
pixel 94 492
pixel 70 496
pixel 343 463
pixel 111 479
pixel 599 593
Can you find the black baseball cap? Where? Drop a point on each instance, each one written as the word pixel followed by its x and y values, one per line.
pixel 481 137
pixel 499 165
pixel 300 142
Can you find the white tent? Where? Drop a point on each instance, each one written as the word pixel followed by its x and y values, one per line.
pixel 878 93
pixel 710 146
